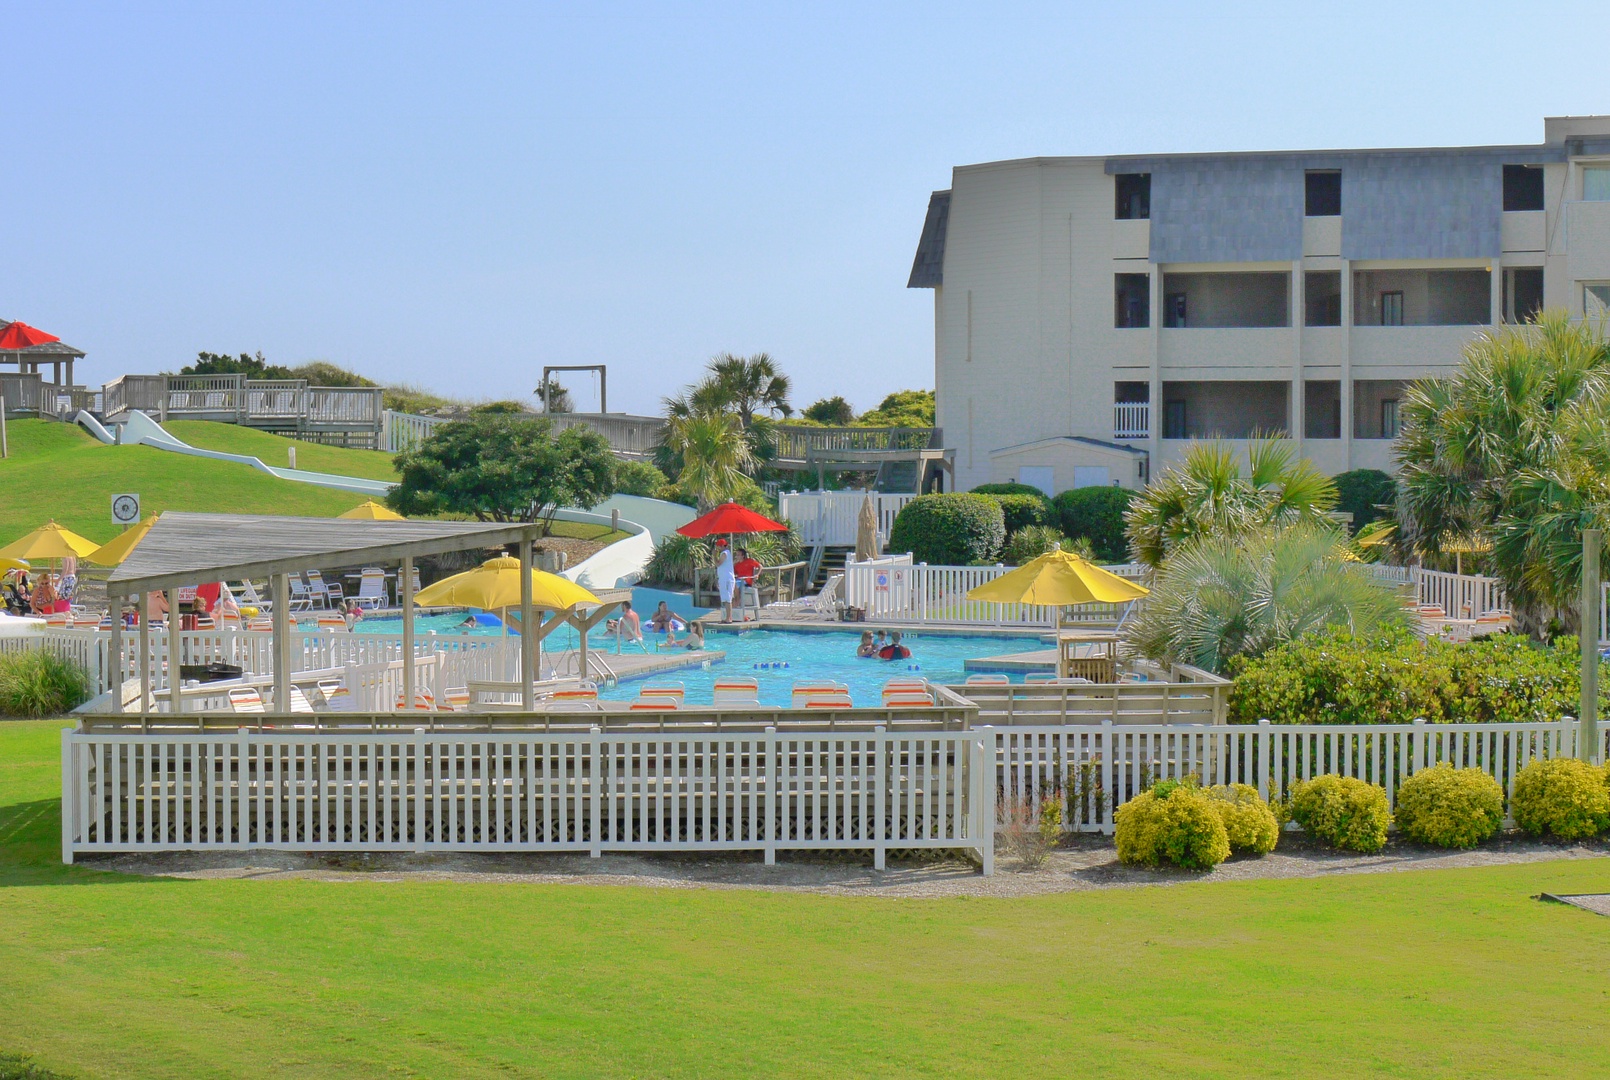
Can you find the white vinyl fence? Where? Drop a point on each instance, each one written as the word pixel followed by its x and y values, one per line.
pixel 401 431
pixel 593 792
pixel 938 594
pixel 1098 768
pixel 832 517
pixel 1461 596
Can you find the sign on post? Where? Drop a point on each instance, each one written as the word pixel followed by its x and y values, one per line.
pixel 126 509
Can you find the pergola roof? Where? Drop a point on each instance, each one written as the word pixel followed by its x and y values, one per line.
pixel 189 549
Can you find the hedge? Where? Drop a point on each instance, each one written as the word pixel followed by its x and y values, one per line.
pixel 953 529
pixel 1449 807
pixel 1248 822
pixel 1097 514
pixel 1024 511
pixel 1563 798
pixel 1173 822
pixel 1343 811
pixel 1394 678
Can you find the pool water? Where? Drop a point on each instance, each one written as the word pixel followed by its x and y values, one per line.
pixel 759 654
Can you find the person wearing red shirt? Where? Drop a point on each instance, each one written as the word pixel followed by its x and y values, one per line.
pixel 746 568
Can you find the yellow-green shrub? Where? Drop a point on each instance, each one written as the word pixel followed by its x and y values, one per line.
pixel 1563 797
pixel 1449 807
pixel 1174 823
pixel 1248 822
pixel 1343 811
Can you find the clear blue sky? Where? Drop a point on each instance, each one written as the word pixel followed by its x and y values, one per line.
pixel 454 195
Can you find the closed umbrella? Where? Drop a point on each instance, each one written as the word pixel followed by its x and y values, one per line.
pixel 370 510
pixel 866 531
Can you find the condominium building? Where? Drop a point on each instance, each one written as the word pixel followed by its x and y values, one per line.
pixel 1094 315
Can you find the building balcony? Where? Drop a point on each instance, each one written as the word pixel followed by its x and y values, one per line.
pixel 1131 420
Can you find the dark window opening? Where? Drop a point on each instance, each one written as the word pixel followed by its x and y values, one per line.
pixel 1133 298
pixel 1389 418
pixel 1322 409
pixel 1133 196
pixel 1322 298
pixel 1131 393
pixel 1392 309
pixel 1523 293
pixel 1174 420
pixel 1324 194
pixel 1523 187
pixel 1174 310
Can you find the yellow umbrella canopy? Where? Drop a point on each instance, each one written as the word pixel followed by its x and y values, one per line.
pixel 49 541
pixel 113 552
pixel 1057 579
pixel 369 510
pixel 496 584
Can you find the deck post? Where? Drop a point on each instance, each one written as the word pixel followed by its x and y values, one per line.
pixel 69 798
pixel 983 760
pixel 770 802
pixel 528 688
pixel 280 588
pixel 175 668
pixel 880 780
pixel 407 572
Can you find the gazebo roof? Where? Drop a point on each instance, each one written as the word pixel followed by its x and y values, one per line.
pixel 47 351
pixel 188 549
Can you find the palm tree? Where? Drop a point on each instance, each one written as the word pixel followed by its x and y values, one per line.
pixel 1227 595
pixel 1512 449
pixel 1209 495
pixel 714 452
pixel 746 385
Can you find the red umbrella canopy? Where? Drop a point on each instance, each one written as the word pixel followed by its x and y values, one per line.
pixel 19 335
pixel 730 518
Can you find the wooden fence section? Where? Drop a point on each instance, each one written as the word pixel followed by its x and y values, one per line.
pixel 1098 768
pixel 795 445
pixel 401 431
pixel 1028 704
pixel 629 436
pixel 580 791
pixel 23 393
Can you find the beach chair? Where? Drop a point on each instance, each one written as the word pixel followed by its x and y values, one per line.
pixel 456 699
pixel 329 592
pixel 301 596
pixel 654 704
pixel 371 589
pixel 1040 677
pixel 807 688
pixel 992 679
pixel 229 620
pixel 736 692
pixel 908 700
pixel 424 701
pixel 835 700
pixel 299 701
pixel 335 695
pixel 260 623
pixel 206 622
pixel 671 691
pixel 333 623
pixel 246 699
pixel 252 598
pixel 580 693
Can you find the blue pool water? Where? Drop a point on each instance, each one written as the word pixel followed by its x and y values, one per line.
pixel 829 655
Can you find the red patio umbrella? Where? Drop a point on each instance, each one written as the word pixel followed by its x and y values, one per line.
pixel 19 335
pixel 730 518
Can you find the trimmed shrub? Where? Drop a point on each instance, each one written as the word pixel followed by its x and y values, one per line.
pixel 1173 823
pixel 1449 807
pixel 1392 677
pixel 953 529
pixel 37 683
pixel 1248 822
pixel 1024 511
pixel 1010 488
pixel 640 478
pixel 1360 491
pixel 1097 514
pixel 1563 798
pixel 1029 543
pixel 675 558
pixel 1343 811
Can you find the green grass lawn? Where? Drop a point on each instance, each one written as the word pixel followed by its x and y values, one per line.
pixel 1451 973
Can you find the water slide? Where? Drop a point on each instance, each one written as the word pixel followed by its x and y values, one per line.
pixel 619 564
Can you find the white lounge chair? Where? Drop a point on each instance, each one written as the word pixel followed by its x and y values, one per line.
pixel 371 589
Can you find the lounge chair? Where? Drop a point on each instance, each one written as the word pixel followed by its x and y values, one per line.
pixel 371 589
pixel 246 699
pixel 827 701
pixel 299 701
pixel 673 691
pixel 987 680
pixel 424 701
pixel 736 692
pixel 333 622
pixel 654 704
pixel 907 700
pixel 329 592
pixel 260 623
pixel 335 694
pixel 301 596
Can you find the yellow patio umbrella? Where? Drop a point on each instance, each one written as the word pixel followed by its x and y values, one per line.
pixel 495 584
pixel 1058 579
pixel 49 541
pixel 1466 544
pixel 1376 534
pixel 369 510
pixel 114 551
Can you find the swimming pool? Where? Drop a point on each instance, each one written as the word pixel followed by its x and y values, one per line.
pixel 824 655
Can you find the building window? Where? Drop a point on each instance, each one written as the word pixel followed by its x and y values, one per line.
pixel 1174 420
pixel 1392 309
pixel 1322 298
pixel 1523 293
pixel 1324 193
pixel 1174 310
pixel 1133 196
pixel 1596 300
pixel 1596 183
pixel 1133 298
pixel 1523 187
pixel 1389 418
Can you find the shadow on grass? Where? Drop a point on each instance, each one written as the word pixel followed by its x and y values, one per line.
pixel 30 851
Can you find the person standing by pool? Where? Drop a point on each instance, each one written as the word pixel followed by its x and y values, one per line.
pixel 894 650
pixel 726 579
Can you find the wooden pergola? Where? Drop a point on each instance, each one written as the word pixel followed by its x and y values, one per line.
pixel 190 549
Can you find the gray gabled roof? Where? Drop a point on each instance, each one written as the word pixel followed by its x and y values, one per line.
pixel 928 268
pixel 51 348
pixel 191 549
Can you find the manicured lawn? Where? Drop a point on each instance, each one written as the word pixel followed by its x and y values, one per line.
pixel 1439 973
pixel 58 471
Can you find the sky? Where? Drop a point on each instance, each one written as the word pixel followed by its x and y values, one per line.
pixel 454 195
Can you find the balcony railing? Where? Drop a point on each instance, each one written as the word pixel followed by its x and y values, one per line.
pixel 1131 420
